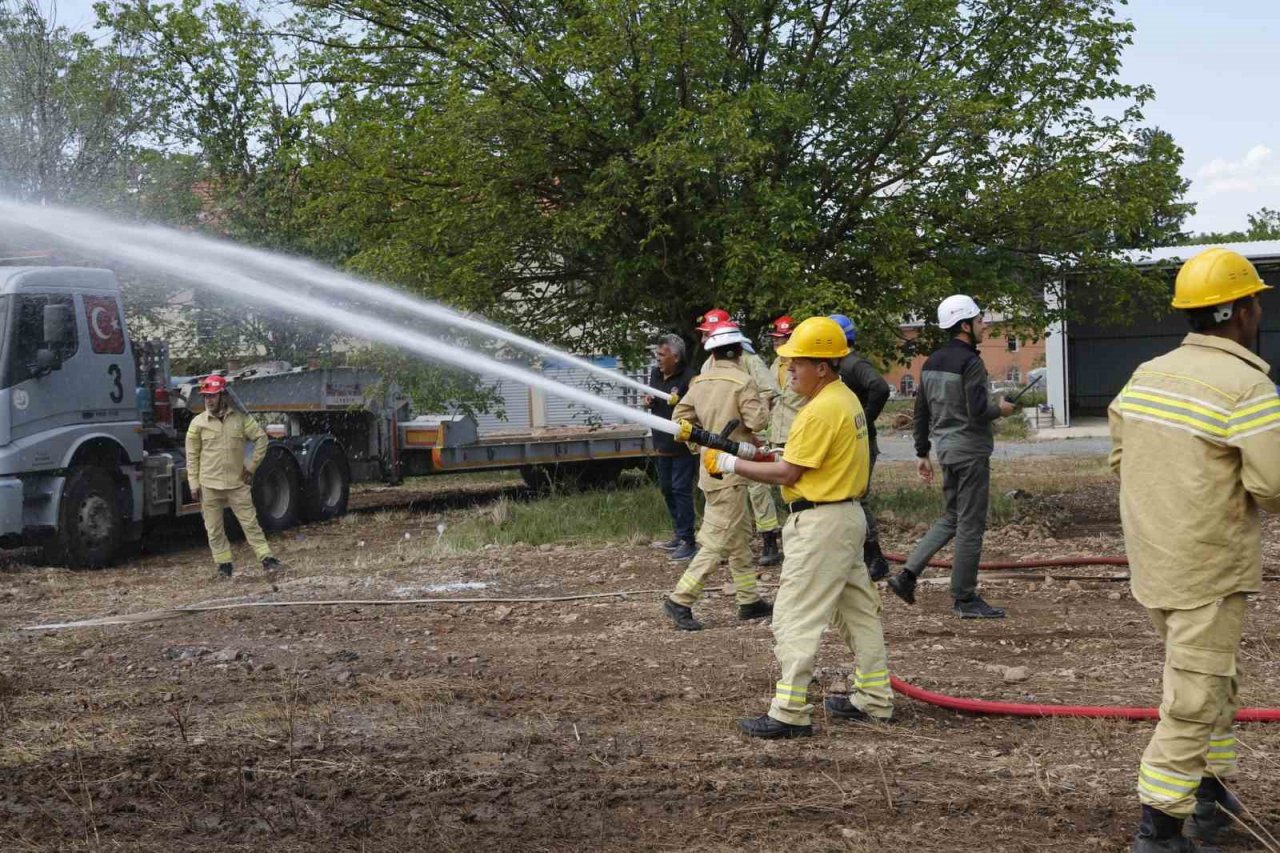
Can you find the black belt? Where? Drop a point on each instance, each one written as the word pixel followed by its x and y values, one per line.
pixel 801 506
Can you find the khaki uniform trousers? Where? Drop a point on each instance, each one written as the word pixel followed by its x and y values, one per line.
pixel 825 582
pixel 725 534
pixel 763 507
pixel 240 502
pixel 1194 737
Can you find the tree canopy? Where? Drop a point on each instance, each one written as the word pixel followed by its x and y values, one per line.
pixel 590 173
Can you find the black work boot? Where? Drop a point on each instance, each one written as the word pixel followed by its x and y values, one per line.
pixel 842 709
pixel 770 556
pixel 1161 833
pixel 768 728
pixel 877 565
pixel 270 564
pixel 903 585
pixel 1214 807
pixel 976 608
pixel 682 616
pixel 224 570
pixel 755 610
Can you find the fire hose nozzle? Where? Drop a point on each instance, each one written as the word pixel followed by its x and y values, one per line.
pixel 674 398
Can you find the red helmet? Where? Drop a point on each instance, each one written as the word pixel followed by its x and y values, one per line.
pixel 213 384
pixel 782 327
pixel 711 319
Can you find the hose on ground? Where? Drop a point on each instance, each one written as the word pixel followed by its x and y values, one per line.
pixel 1022 709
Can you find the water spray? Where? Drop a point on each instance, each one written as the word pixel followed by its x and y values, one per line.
pixel 125 242
pixel 343 284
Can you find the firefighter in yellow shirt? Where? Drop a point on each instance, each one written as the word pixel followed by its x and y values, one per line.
pixel 1196 442
pixel 823 472
pixel 220 478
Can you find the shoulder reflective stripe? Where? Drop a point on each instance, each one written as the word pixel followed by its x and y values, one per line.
pixel 1261 405
pixel 1179 404
pixel 1162 413
pixel 707 377
pixel 1195 429
pixel 1162 392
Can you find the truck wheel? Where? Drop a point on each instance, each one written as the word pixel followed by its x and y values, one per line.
pixel 537 478
pixel 277 491
pixel 90 525
pixel 329 484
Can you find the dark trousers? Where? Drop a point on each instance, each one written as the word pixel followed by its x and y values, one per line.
pixel 966 487
pixel 676 475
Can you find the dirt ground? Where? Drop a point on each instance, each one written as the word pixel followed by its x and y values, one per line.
pixel 588 725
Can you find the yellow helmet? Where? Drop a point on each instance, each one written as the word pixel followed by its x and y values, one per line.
pixel 817 337
pixel 1215 277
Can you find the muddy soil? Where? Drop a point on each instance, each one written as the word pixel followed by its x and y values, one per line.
pixel 589 725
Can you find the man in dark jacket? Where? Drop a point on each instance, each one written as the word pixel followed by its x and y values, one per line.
pixel 954 413
pixel 677 466
pixel 862 378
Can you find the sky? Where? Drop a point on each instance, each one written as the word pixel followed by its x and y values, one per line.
pixel 1212 65
pixel 1216 71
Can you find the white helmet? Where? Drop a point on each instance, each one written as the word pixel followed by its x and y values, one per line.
pixel 953 309
pixel 723 335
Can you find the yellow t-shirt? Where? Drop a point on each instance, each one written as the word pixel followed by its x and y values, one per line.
pixel 829 438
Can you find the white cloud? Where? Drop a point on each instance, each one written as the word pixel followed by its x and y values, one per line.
pixel 1258 169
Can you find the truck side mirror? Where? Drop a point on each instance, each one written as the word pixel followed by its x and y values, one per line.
pixel 47 361
pixel 57 324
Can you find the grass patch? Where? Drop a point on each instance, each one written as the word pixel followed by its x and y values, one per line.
pixel 636 514
pixel 923 506
pixel 896 489
pixel 1012 428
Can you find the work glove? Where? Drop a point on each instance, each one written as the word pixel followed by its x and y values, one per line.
pixel 718 463
pixel 246 477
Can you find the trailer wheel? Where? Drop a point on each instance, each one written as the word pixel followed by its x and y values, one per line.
pixel 90 524
pixel 329 485
pixel 277 491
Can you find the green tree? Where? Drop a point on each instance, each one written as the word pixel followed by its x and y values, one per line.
pixel 589 172
pixel 73 115
pixel 1263 225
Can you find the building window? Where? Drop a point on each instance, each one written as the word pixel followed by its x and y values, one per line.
pixel 1014 374
pixel 1012 343
pixel 907 385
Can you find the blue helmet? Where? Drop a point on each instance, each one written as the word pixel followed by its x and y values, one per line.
pixel 850 329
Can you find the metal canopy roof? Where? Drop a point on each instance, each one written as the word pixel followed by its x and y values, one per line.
pixel 1259 251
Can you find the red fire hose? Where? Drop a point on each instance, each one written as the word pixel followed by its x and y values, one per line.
pixel 1022 709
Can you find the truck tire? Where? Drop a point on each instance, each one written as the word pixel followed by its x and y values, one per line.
pixel 277 491
pixel 329 484
pixel 90 524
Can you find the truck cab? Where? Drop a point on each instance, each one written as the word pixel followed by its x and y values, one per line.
pixel 69 420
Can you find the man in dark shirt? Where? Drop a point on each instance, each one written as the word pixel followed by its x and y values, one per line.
pixel 954 413
pixel 861 377
pixel 677 466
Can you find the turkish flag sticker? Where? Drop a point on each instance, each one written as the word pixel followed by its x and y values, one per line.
pixel 106 332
